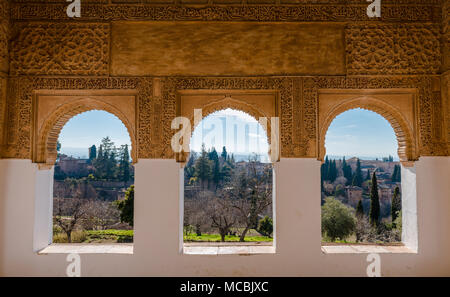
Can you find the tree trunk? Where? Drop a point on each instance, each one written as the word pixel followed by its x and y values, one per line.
pixel 241 239
pixel 222 236
pixel 69 236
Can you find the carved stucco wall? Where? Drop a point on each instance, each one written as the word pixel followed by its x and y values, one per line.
pixel 393 62
pixel 4 64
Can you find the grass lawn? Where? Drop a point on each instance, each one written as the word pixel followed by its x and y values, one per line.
pixel 216 237
pixel 103 236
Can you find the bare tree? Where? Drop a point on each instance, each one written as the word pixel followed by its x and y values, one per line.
pixel 222 215
pixel 68 213
pixel 195 213
pixel 250 194
pixel 100 215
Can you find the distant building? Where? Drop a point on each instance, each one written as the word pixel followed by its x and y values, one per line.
pixel 354 194
pixel 73 166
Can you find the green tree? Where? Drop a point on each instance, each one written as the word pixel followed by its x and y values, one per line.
pixel 265 226
pixel 359 209
pixel 374 214
pixel 347 171
pixel 203 167
pixel 332 171
pixel 126 207
pixel 338 220
pixel 92 152
pixel 124 164
pixel 358 179
pixel 396 175
pixel 368 175
pixel 224 154
pixel 215 167
pixel 396 204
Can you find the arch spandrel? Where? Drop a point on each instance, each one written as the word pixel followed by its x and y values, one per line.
pixel 398 118
pixel 47 129
pixel 262 104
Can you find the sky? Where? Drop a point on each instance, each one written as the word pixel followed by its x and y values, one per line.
pixel 88 128
pixel 355 132
pixel 361 133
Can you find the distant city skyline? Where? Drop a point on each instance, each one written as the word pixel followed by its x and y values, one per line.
pixel 357 132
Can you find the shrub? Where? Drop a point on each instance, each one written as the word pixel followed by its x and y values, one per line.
pixel 338 220
pixel 126 207
pixel 265 226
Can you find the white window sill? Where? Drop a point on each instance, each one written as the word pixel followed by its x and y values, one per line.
pixel 367 249
pixel 83 248
pixel 227 248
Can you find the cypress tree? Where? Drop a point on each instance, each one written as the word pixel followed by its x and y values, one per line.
pixel 359 209
pixel 224 154
pixel 368 175
pixel 92 152
pixel 396 204
pixel 124 164
pixel 326 166
pixel 358 175
pixel 374 214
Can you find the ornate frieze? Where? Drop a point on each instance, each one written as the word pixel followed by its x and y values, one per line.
pixel 393 48
pixel 298 105
pixel 333 10
pixel 60 49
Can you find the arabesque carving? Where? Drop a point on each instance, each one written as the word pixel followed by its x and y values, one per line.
pixel 307 11
pixel 46 131
pixel 404 131
pixel 20 112
pixel 298 99
pixel 393 49
pixel 60 48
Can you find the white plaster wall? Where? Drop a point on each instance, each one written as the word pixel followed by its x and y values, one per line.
pixel 157 228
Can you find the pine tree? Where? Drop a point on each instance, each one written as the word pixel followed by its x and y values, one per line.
pixel 203 167
pixel 374 214
pixel 215 166
pixel 124 164
pixel 359 209
pixel 368 175
pixel 396 204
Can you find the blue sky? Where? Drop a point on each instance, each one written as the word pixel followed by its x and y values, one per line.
pixel 353 133
pixel 361 133
pixel 88 128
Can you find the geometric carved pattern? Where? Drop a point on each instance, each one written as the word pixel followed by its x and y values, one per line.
pixel 20 112
pixel 4 35
pixel 306 11
pixel 155 113
pixel 46 138
pixel 393 49
pixel 59 48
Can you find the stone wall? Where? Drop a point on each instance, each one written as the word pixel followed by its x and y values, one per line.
pixel 4 63
pixel 294 48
